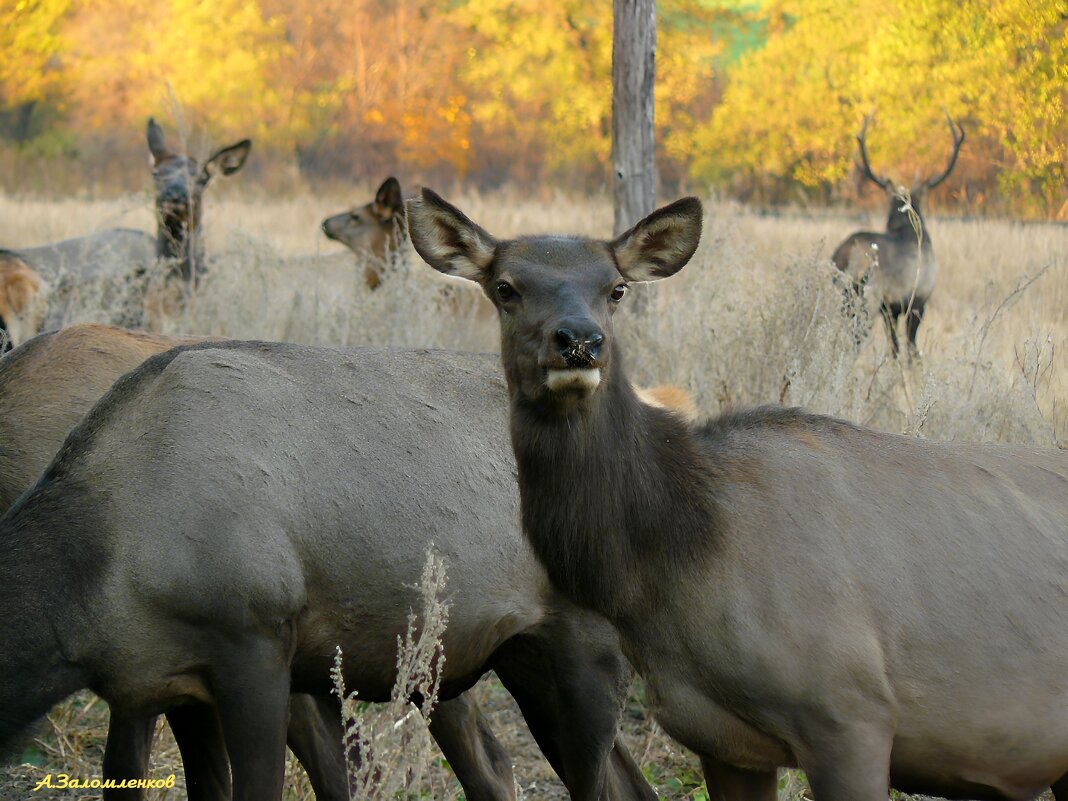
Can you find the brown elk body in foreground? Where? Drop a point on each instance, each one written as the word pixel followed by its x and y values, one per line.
pixel 311 482
pixel 373 231
pixel 899 262
pixel 794 589
pixel 46 387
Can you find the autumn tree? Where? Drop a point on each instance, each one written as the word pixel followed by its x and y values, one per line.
pixel 30 42
pixel 786 124
pixel 208 63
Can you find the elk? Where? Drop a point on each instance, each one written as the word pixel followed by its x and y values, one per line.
pixel 99 277
pixel 375 229
pixel 104 277
pixel 46 387
pixel 790 595
pixel 23 300
pixel 312 481
pixel 179 185
pixel 900 262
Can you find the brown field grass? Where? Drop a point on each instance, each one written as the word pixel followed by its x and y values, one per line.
pixel 756 318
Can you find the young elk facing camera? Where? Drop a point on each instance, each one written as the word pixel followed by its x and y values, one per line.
pixel 790 595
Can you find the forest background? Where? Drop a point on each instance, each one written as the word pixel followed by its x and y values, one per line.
pixel 757 100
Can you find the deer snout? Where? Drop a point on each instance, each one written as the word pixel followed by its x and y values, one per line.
pixel 174 202
pixel 578 347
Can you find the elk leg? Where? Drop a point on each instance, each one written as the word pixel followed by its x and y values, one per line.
pixel 912 324
pixel 1060 788
pixel 207 771
pixel 476 756
pixel 126 753
pixel 890 315
pixel 851 765
pixel 251 687
pixel 315 735
pixel 571 694
pixel 727 783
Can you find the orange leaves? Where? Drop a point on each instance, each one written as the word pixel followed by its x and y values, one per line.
pixel 761 96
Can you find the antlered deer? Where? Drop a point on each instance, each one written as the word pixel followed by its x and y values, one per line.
pixel 790 594
pixel 900 263
pixel 311 482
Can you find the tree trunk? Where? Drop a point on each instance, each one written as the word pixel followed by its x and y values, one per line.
pixel 633 165
pixel 633 70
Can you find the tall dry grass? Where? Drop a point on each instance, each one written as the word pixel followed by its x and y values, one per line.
pixel 757 317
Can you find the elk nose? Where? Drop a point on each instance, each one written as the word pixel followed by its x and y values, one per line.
pixel 579 348
pixel 566 338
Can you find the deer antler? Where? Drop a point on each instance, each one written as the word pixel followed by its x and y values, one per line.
pixel 883 182
pixel 957 132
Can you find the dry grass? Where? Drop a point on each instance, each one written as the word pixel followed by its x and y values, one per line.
pixel 756 318
pixel 389 751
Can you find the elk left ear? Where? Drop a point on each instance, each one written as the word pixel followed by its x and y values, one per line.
pixel 389 202
pixel 227 161
pixel 661 244
pixel 447 240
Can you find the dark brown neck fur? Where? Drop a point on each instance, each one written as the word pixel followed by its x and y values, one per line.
pixel 614 495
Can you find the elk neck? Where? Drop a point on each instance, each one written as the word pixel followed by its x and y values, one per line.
pixel 899 224
pixel 182 246
pixel 613 494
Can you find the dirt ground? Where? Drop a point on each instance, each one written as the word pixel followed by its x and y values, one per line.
pixel 71 741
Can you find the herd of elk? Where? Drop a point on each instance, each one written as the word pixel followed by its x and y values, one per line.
pixel 900 262
pixel 193 527
pixel 795 590
pixel 310 529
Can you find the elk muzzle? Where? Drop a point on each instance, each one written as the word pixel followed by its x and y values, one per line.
pixel 577 365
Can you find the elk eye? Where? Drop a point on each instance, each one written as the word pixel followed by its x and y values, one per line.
pixel 505 291
pixel 618 291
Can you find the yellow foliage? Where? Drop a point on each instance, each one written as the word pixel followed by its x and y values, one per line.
pixel 792 107
pixel 758 96
pixel 30 43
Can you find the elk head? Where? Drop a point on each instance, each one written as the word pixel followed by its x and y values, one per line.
pixel 375 228
pixel 898 217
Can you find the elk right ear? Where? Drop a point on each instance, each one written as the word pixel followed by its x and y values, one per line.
pixel 661 244
pixel 447 240
pixel 154 134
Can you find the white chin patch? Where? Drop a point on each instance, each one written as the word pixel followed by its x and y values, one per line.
pixel 585 378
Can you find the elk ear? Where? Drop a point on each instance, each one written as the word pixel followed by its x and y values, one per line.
pixel 447 240
pixel 388 200
pixel 227 161
pixel 661 244
pixel 154 135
